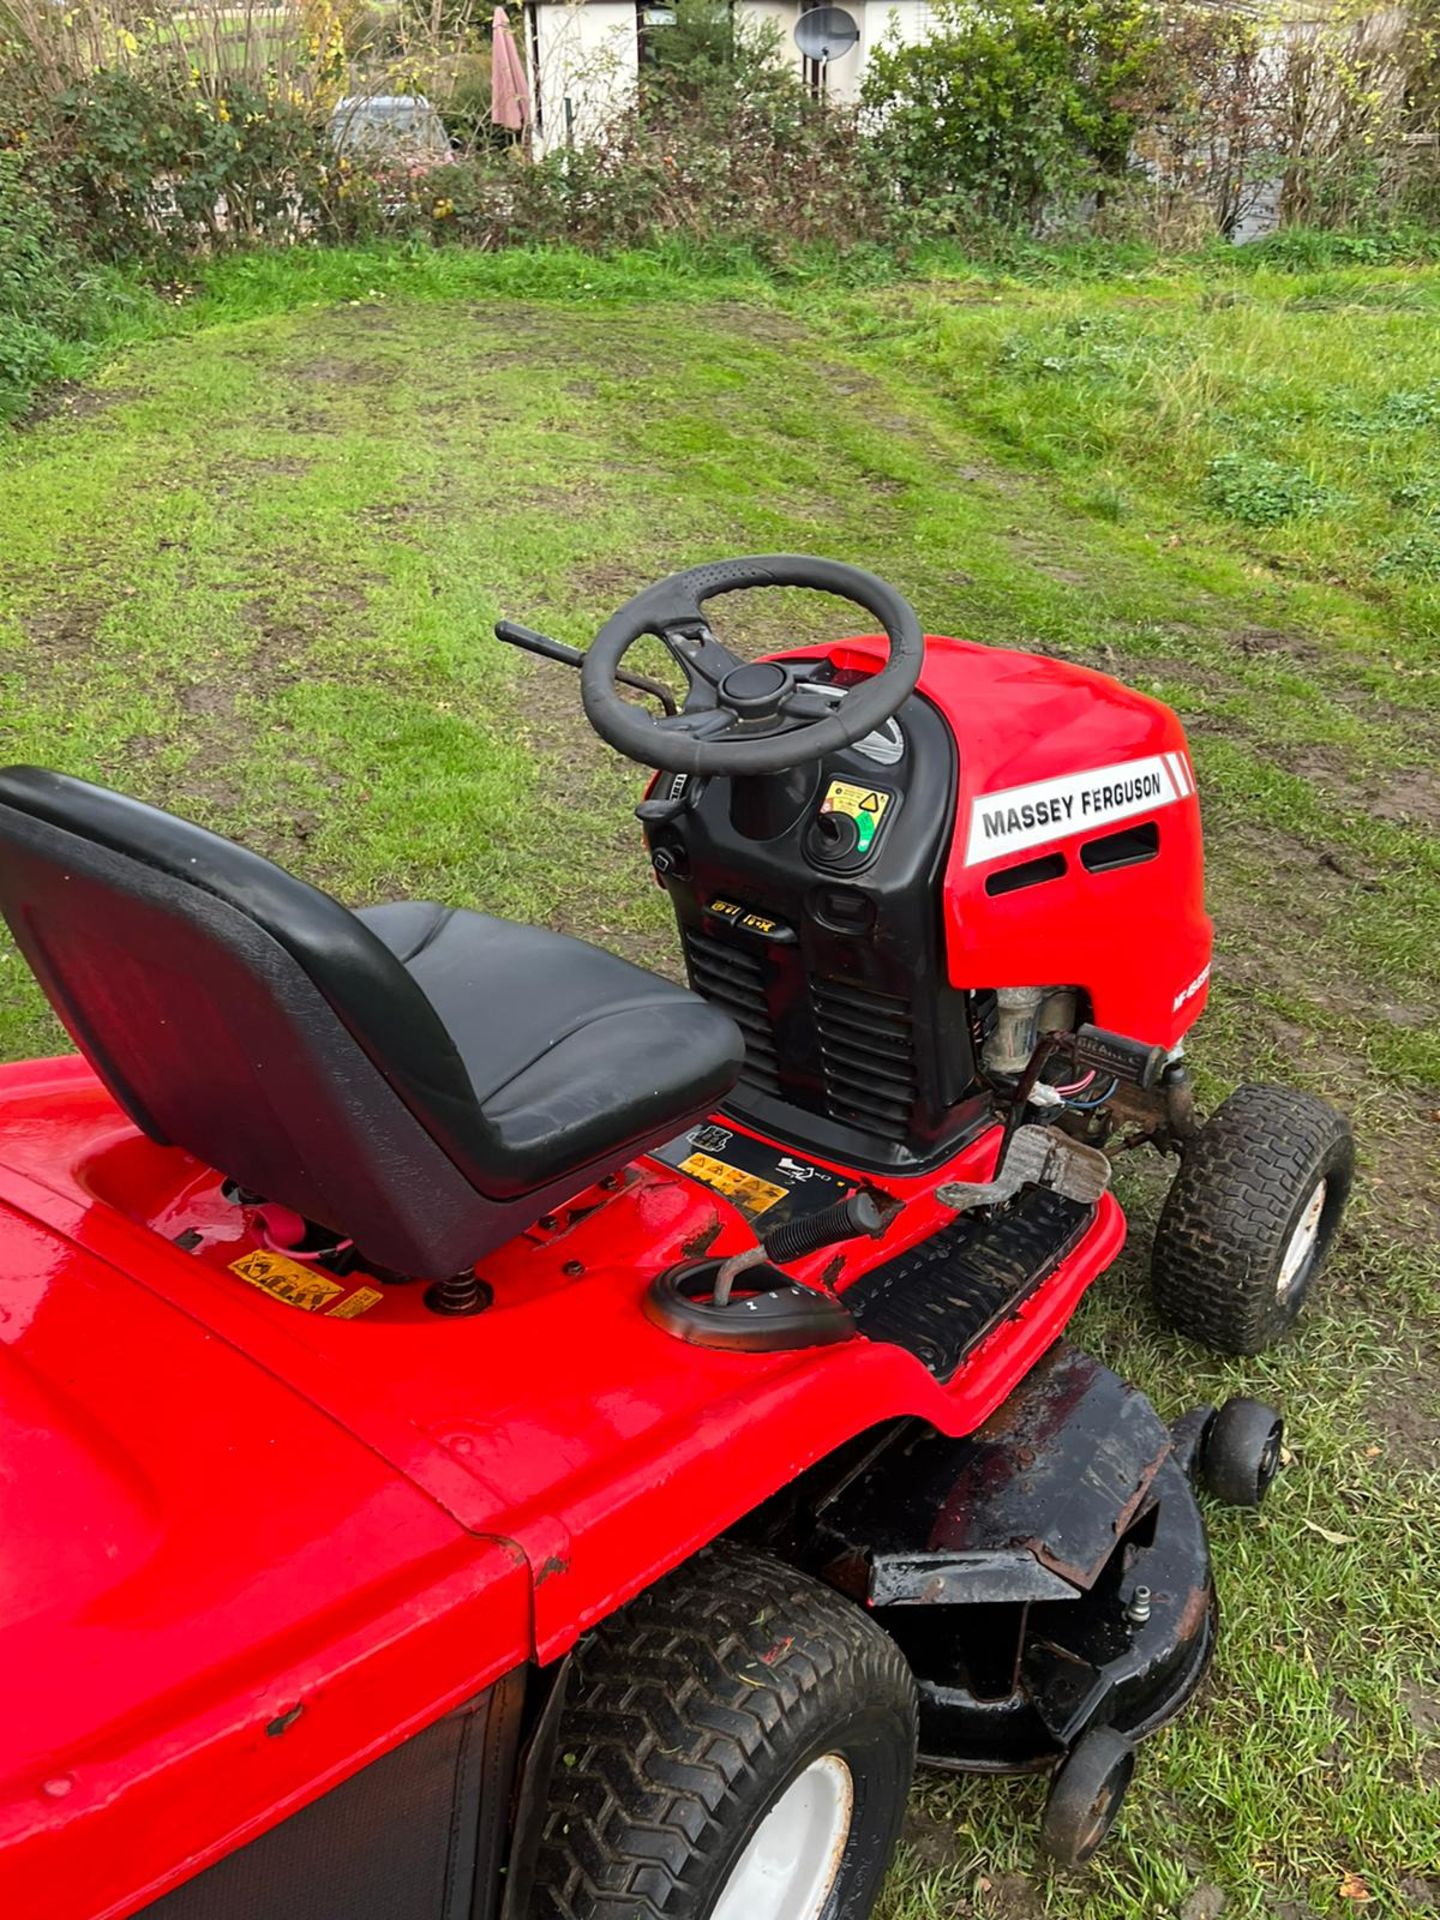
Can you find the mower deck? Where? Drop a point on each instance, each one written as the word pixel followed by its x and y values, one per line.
pixel 1045 1574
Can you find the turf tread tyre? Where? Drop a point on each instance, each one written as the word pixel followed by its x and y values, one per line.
pixel 681 1708
pixel 1232 1208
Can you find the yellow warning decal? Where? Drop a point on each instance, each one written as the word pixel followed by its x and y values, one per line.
pixel 865 806
pixel 360 1301
pixel 289 1280
pixel 302 1286
pixel 844 796
pixel 747 1190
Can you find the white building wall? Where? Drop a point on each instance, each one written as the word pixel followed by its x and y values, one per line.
pixel 587 52
pixel 584 53
pixel 844 77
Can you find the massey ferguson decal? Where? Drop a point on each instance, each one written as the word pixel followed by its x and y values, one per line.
pixel 1021 817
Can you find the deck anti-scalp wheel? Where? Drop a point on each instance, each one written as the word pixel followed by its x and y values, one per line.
pixel 1240 1453
pixel 1251 1218
pixel 1086 1795
pixel 737 1745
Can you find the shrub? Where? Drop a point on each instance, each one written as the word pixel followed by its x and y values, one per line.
pixel 37 284
pixel 155 164
pixel 466 107
pixel 1329 115
pixel 49 299
pixel 1010 107
pixel 704 46
pixel 765 189
pixel 724 147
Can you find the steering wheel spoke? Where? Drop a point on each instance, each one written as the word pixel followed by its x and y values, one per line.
pixel 702 658
pixel 698 723
pixel 805 703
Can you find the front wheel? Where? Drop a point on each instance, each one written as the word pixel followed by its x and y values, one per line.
pixel 1251 1217
pixel 737 1745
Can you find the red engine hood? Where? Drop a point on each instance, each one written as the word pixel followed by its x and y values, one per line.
pixel 188 1551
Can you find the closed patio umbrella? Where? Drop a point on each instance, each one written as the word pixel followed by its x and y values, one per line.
pixel 509 95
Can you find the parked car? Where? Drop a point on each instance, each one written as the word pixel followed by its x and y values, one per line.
pixel 402 131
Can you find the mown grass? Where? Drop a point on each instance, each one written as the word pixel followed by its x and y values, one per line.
pixel 250 575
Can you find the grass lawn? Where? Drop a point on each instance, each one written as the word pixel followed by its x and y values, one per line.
pixel 250 574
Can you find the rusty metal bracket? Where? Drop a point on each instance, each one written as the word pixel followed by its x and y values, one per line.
pixel 1038 1157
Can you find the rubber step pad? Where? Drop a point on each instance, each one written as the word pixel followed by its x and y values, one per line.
pixel 941 1298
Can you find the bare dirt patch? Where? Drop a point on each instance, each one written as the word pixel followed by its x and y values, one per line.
pixel 1410 798
pixel 611 582
pixel 930 1840
pixel 70 400
pixel 1256 642
pixel 340 371
pixel 255 466
pixel 1406 1424
pixel 1421 1702
pixel 65 631
pixel 1405 796
pixel 1008 1896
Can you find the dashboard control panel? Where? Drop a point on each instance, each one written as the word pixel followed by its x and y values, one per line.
pixel 845 831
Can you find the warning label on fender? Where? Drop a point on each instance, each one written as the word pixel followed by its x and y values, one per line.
pixel 755 1175
pixel 749 1192
pixel 299 1285
pixel 1022 817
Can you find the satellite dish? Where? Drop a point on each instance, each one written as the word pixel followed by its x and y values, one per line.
pixel 824 33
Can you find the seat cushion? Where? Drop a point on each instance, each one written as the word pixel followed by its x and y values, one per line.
pixel 572 1052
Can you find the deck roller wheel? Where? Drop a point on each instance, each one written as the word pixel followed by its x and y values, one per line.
pixel 1086 1795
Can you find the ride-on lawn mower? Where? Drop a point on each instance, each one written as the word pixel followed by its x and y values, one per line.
pixel 491 1432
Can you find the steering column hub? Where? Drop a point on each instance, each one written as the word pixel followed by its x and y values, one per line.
pixel 755 692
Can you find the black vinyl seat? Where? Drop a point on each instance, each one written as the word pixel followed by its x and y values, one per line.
pixel 424 1080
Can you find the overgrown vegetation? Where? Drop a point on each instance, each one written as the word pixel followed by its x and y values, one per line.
pixel 1011 111
pixel 159 136
pixel 51 299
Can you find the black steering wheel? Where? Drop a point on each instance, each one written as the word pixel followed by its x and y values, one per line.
pixel 744 717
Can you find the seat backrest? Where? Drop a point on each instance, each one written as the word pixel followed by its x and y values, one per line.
pixel 236 1012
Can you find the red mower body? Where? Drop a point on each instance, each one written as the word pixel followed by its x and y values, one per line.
pixel 250 1541
pixel 1055 762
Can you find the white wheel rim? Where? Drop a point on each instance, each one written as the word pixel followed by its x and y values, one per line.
pixel 1302 1241
pixel 790 1866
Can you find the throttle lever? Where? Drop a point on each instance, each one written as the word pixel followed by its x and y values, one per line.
pixel 659 809
pixel 514 635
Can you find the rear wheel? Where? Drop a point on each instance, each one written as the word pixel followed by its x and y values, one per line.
pixel 737 1745
pixel 1251 1218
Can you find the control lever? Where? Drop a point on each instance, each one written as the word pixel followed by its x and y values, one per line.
pixel 685 790
pixel 515 635
pixel 860 1212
